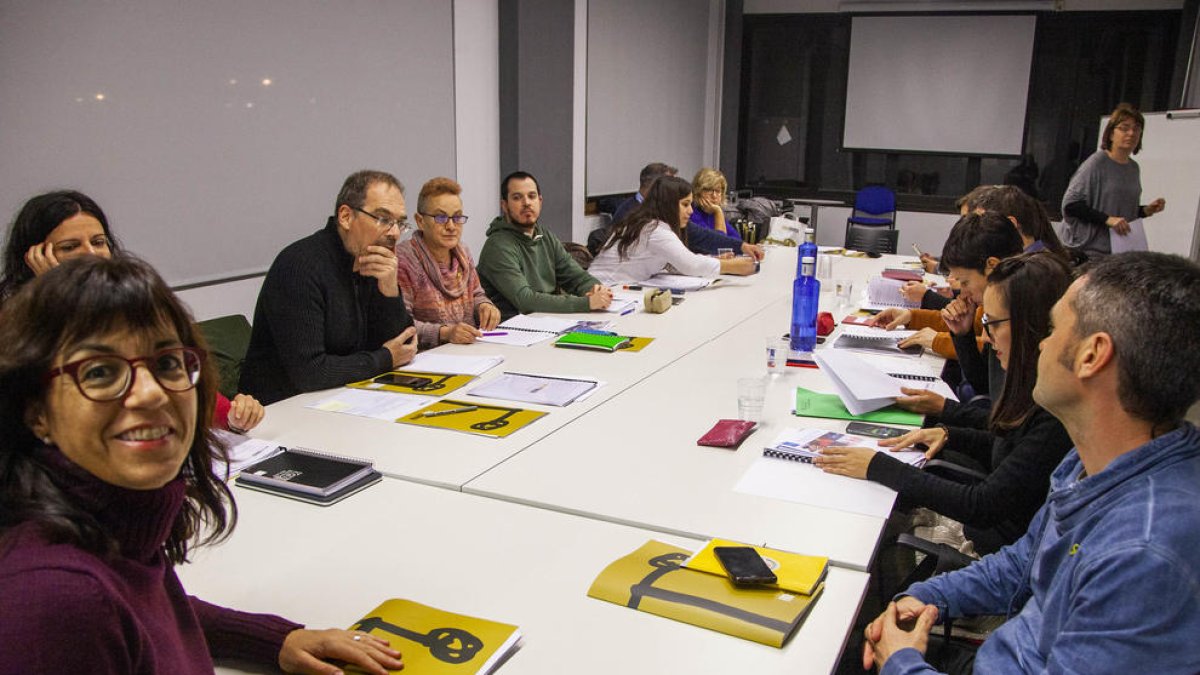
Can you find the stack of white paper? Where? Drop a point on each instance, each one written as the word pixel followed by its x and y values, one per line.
pixel 863 387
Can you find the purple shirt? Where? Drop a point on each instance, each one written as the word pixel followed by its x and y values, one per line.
pixel 709 222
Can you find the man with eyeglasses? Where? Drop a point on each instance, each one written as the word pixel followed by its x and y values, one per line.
pixel 524 267
pixel 1105 579
pixel 330 310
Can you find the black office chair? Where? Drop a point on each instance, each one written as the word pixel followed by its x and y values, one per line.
pixel 872 238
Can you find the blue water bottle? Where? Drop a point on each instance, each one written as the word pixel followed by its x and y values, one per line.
pixel 806 298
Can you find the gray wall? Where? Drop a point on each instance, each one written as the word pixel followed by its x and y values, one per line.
pixel 646 85
pixel 537 75
pixel 203 169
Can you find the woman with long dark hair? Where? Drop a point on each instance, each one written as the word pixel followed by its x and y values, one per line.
pixel 57 226
pixel 106 483
pixel 654 236
pixel 49 229
pixel 1022 444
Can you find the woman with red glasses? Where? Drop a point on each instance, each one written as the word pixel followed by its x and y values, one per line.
pixel 106 484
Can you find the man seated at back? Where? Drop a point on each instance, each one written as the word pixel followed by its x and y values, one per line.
pixel 330 310
pixel 524 267
pixel 651 173
pixel 1107 578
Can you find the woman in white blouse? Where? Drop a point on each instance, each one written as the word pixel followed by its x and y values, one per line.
pixel 652 237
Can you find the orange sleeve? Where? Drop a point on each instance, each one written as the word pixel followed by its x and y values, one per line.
pixel 943 346
pixel 927 318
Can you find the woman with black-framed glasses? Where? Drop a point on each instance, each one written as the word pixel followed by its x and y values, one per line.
pixel 106 483
pixel 437 275
pixel 1022 443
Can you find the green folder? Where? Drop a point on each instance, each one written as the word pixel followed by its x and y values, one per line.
pixel 604 343
pixel 812 404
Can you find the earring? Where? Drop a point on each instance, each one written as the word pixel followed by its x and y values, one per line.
pixel 47 440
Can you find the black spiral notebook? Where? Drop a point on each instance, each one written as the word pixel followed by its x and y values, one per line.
pixel 303 472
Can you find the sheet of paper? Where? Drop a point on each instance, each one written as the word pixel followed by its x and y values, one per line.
pixel 677 282
pixel 379 405
pixel 432 362
pixel 806 484
pixel 243 451
pixel 541 389
pixel 1134 241
pixel 548 324
pixel 622 306
pixel 519 338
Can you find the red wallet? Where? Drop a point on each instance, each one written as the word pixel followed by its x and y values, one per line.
pixel 727 433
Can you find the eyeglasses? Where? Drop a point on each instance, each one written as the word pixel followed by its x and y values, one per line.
pixel 988 322
pixel 385 223
pixel 109 377
pixel 1128 128
pixel 442 219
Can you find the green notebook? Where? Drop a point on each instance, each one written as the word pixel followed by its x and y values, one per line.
pixel 604 343
pixel 812 404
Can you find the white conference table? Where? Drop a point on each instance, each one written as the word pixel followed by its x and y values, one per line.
pixel 635 460
pixel 327 567
pixel 450 459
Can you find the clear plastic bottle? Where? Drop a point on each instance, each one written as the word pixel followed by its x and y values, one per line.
pixel 806 298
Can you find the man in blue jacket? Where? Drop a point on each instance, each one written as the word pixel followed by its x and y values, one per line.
pixel 1107 579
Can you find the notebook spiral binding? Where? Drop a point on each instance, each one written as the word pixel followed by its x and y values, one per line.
pixel 789 455
pixel 913 376
pixel 327 455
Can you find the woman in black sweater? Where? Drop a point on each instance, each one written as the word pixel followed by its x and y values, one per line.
pixel 1022 444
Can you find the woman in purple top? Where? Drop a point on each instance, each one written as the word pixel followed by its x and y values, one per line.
pixel 708 191
pixel 106 482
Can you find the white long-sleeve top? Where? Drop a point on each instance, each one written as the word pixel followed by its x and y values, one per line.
pixel 655 248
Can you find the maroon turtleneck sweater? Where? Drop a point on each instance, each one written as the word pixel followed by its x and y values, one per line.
pixel 63 609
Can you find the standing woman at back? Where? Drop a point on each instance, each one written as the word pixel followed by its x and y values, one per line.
pixel 1103 195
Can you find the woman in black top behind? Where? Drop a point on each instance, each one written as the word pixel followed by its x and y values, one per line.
pixel 1023 442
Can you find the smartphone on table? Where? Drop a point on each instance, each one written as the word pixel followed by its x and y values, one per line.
pixel 411 381
pixel 744 565
pixel 874 430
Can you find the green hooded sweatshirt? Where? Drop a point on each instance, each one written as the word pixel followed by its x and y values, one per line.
pixel 524 274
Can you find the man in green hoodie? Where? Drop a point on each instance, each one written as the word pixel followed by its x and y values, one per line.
pixel 524 267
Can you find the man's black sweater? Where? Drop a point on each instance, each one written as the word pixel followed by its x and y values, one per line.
pixel 318 324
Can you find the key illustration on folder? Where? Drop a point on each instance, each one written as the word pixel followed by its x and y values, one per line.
pixel 497 423
pixel 452 645
pixel 672 562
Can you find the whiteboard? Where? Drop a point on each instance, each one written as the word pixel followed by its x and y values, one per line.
pixel 946 84
pixel 1170 168
pixel 215 132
